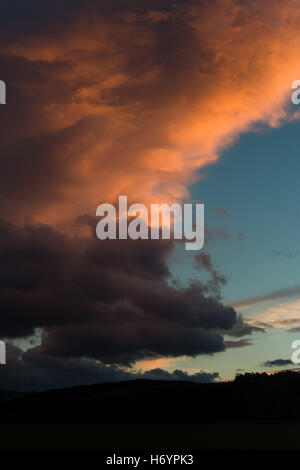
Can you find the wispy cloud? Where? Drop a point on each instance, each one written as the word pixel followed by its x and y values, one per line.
pixel 283 315
pixel 277 294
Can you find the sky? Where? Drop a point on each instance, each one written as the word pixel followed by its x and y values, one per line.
pixel 259 250
pixel 165 102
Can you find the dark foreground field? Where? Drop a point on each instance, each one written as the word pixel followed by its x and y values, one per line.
pixel 255 412
pixel 118 437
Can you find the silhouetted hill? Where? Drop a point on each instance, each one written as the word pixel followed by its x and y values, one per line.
pixel 249 397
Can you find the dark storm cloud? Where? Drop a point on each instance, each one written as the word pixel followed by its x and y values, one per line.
pixel 242 328
pixel 34 370
pixel 109 300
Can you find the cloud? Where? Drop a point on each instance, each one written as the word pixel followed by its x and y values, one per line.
pixel 296 329
pixel 245 326
pixel 110 300
pixel 221 210
pixel 200 377
pixel 203 261
pixel 277 362
pixel 238 344
pixel 136 99
pixel 288 254
pixel 241 236
pixel 278 294
pixel 32 370
pixel 282 315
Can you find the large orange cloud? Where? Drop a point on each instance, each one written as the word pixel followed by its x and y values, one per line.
pixel 137 102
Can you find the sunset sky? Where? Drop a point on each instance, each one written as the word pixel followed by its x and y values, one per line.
pixel 163 101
